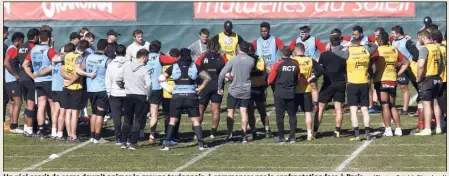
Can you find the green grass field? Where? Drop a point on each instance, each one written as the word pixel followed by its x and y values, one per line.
pixel 406 153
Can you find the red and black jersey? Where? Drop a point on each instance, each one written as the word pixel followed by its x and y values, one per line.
pixel 212 63
pixel 13 58
pixel 285 76
pixel 23 51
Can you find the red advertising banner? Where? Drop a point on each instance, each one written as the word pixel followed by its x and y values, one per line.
pixel 116 11
pixel 267 10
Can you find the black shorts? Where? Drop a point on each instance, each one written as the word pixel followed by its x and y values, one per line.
pixel 71 99
pixel 99 100
pixel 28 90
pixel 57 96
pixel 430 88
pixel 156 97
pixel 209 93
pixel 358 94
pixel 44 89
pixel 332 91
pixel 258 94
pixel 187 102
pixel 305 101
pixel 406 77
pixel 234 103
pixel 391 90
pixel 13 89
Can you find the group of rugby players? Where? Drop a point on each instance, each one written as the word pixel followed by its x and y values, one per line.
pixel 133 81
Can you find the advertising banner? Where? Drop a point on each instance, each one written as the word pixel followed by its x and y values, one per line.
pixel 286 10
pixel 35 11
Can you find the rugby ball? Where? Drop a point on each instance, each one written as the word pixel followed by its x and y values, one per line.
pixel 228 77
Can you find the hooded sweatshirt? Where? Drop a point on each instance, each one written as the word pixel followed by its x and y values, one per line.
pixel 136 79
pixel 115 68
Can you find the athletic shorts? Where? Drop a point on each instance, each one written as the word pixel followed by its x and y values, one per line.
pixel 57 96
pixel 358 94
pixel 332 91
pixel 99 100
pixel 28 90
pixel 155 97
pixel 43 89
pixel 305 101
pixel 258 94
pixel 406 77
pixel 234 103
pixel 379 87
pixel 13 89
pixel 72 99
pixel 209 93
pixel 430 88
pixel 187 102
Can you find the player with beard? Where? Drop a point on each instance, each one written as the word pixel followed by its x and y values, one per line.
pixel 387 62
pixel 212 62
pixel 228 40
pixel 312 45
pixel 12 65
pixel 74 39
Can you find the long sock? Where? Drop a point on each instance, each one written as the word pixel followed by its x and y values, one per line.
pixel 213 131
pixel 92 134
pixel 53 131
pixel 13 126
pixel 309 131
pixel 198 132
pixel 367 129
pixel 356 131
pixel 59 134
pixel 169 132
pixel 97 136
pixel 230 124
pixel 337 129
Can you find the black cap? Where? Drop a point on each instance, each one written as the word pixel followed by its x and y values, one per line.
pixel 74 35
pixel 113 32
pixel 227 24
pixel 244 46
pixel 102 44
pixel 427 20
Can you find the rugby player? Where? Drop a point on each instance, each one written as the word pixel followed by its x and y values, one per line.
pixel 167 96
pixel 312 44
pixel 12 65
pixel 115 93
pixel 228 40
pixel 138 43
pixel 239 91
pixel 26 83
pixel 199 47
pixel 259 75
pixel 73 72
pixel 112 43
pixel 387 60
pixel 51 42
pixel 184 72
pixel 437 37
pixel 303 97
pixel 40 59
pixel 358 56
pixel 212 62
pixel 90 38
pixel 74 39
pixel 430 66
pixel 96 88
pixel 285 74
pixel 267 46
pixel 5 94
pixel 136 81
pixel 334 84
pixel 409 50
pixel 154 65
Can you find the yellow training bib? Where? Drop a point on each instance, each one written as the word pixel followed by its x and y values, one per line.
pixel 305 69
pixel 228 44
pixel 357 65
pixel 258 76
pixel 170 82
pixel 444 53
pixel 433 60
pixel 386 63
pixel 69 66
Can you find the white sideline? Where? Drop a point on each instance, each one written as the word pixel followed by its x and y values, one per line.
pixel 51 159
pixel 356 153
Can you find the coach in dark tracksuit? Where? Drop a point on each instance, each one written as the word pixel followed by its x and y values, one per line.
pixel 285 75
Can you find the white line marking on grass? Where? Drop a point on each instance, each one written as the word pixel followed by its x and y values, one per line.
pixel 356 152
pixel 59 154
pixel 196 158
